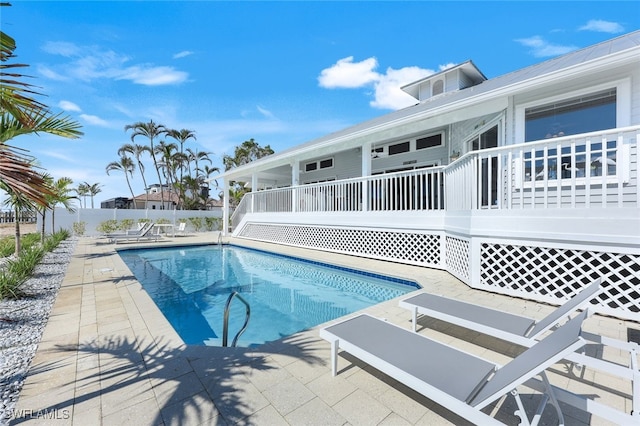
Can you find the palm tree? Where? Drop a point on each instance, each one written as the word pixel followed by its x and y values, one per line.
pixel 248 151
pixel 15 95
pixel 181 136
pixel 137 151
pixel 61 190
pixel 93 190
pixel 16 169
pixel 126 166
pixel 197 156
pixel 21 114
pixel 82 191
pixel 166 152
pixel 151 131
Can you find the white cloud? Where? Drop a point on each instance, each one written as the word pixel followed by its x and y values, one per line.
pixel 182 54
pixel 387 93
pixel 542 48
pixel 348 74
pixel 265 112
pixel 51 74
pixel 69 106
pixel 153 76
pixel 94 120
pixel 601 26
pixel 61 48
pixel 92 62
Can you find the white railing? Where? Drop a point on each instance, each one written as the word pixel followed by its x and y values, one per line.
pixel 586 170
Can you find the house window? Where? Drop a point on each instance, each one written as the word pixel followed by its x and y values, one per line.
pixel 327 163
pixel 399 148
pixel 438 87
pixel 583 114
pixel 429 141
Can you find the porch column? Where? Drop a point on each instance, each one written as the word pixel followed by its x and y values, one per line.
pixel 365 154
pixel 295 181
pixel 254 188
pixel 225 208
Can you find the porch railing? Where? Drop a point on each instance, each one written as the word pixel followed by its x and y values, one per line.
pixel 586 170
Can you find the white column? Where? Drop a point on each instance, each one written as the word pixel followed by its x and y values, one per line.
pixel 225 208
pixel 365 154
pixel 254 188
pixel 295 181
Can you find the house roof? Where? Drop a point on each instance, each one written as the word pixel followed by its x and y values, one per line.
pixel 625 47
pixel 468 68
pixel 157 196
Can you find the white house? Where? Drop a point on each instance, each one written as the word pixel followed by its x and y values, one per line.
pixel 524 184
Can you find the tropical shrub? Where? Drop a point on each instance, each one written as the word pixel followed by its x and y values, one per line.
pixel 79 228
pixel 212 223
pixel 196 222
pixel 126 224
pixel 17 270
pixel 107 226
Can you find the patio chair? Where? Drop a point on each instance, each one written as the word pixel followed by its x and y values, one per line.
pixel 457 380
pixel 526 331
pixel 142 234
pixel 182 229
pixel 500 324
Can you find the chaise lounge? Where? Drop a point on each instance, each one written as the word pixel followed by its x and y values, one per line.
pixel 459 381
pixel 143 233
pixel 526 331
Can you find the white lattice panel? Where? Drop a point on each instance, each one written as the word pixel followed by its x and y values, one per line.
pixel 555 274
pixel 457 258
pixel 406 247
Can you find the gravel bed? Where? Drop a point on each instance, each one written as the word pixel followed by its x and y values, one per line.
pixel 22 323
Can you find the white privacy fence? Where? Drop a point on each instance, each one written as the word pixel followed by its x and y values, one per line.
pixel 588 170
pixel 91 218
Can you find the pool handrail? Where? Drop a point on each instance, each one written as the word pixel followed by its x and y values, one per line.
pixel 225 328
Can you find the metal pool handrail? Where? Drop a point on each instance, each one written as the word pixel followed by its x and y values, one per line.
pixel 225 329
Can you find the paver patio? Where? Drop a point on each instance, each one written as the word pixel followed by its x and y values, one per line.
pixel 108 356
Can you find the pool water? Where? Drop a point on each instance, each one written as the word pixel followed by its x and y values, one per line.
pixel 191 286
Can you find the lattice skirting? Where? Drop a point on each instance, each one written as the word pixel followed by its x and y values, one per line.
pixel 556 274
pixel 457 258
pixel 527 270
pixel 406 247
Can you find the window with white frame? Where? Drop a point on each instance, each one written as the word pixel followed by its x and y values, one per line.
pixel 582 114
pixel 326 163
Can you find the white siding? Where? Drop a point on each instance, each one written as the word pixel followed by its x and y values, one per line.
pixel 346 164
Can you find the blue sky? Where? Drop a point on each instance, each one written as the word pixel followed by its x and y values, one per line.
pixel 282 73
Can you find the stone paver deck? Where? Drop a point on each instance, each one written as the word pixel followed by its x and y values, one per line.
pixel 109 357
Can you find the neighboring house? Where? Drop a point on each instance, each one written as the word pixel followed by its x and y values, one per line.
pixel 153 200
pixel 524 184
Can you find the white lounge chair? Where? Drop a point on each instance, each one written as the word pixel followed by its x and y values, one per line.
pixel 143 233
pixel 500 324
pixel 526 331
pixel 459 381
pixel 182 229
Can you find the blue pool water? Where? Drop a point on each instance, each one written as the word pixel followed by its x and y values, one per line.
pixel 191 285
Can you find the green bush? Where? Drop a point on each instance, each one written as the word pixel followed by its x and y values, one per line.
pixel 79 228
pixel 212 223
pixel 107 226
pixel 126 224
pixel 197 223
pixel 18 270
pixel 7 246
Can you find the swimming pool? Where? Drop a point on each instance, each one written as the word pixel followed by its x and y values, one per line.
pixel 191 285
